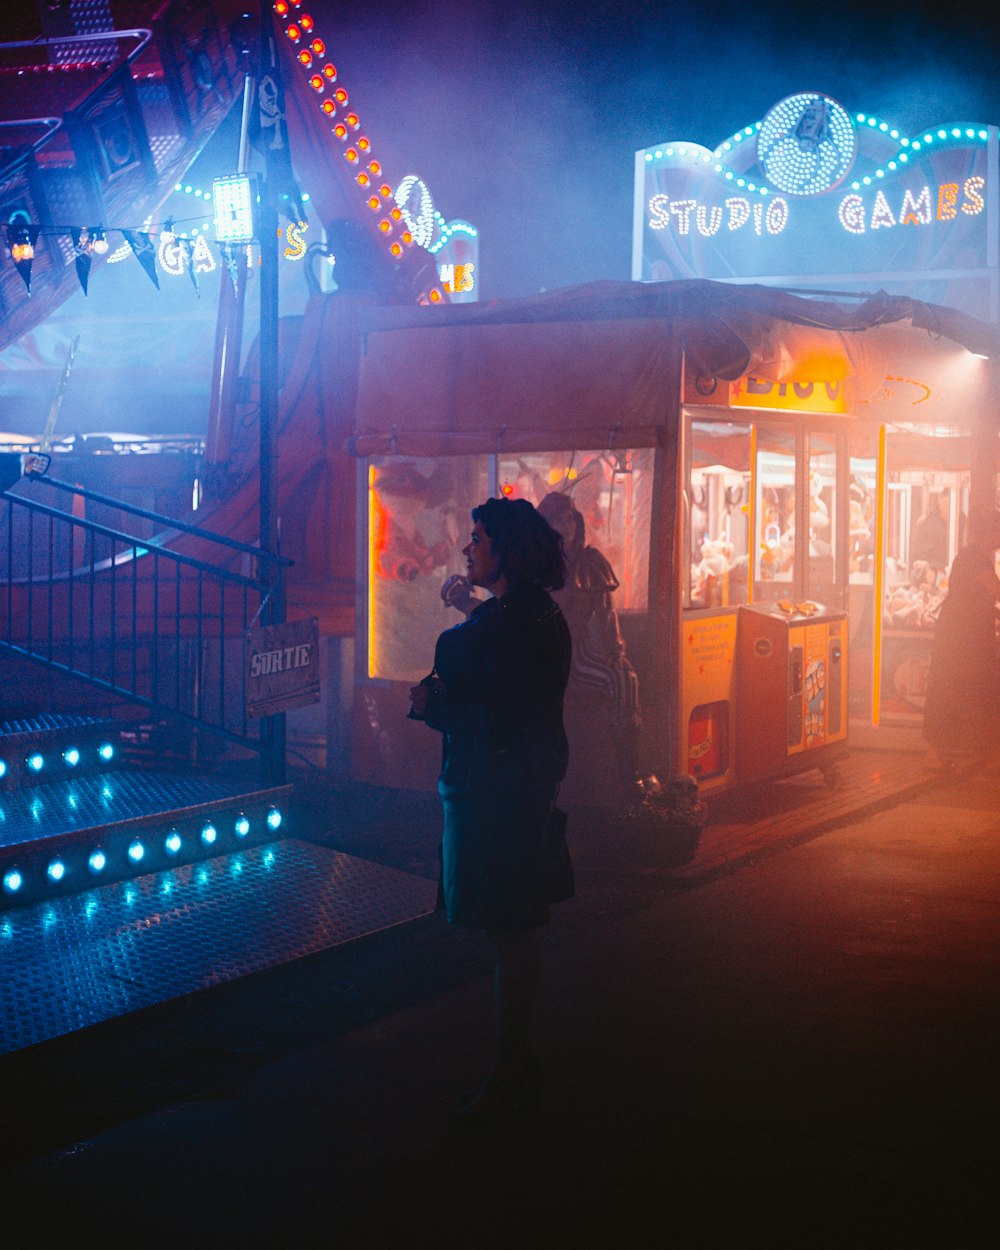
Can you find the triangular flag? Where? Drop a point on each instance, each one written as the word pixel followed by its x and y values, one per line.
pixel 82 244
pixel 142 245
pixel 229 260
pixel 268 124
pixel 187 251
pixel 21 240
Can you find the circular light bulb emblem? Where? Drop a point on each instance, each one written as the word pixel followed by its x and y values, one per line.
pixel 806 144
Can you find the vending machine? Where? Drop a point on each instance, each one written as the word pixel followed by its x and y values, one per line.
pixel 791 689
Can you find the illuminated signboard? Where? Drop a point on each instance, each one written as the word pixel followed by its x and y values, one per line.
pixel 815 196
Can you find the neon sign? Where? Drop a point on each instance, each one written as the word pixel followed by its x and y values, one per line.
pixel 812 194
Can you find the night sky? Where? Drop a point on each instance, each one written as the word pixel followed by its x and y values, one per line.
pixel 525 119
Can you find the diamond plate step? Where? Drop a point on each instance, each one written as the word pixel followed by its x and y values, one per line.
pixel 83 959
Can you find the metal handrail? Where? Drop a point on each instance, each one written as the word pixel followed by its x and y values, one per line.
pixel 168 523
pixel 98 604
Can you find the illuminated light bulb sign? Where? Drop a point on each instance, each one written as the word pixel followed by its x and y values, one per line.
pixel 814 195
pixel 172 256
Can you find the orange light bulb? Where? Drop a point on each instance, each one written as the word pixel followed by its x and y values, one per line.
pixel 328 106
pixel 306 57
pixel 363 179
pixel 364 144
pixel 318 46
pixel 385 226
pixel 352 120
pixel 435 296
pixel 407 237
pixel 373 203
pixel 316 82
pixel 385 190
pixel 307 22
pixel 396 250
pixel 376 168
pixel 293 33
pixel 341 95
pixel 330 72
pixel 396 214
pixel 351 154
pixel 340 130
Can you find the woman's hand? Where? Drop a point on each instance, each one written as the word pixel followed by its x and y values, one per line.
pixel 420 695
pixel 457 593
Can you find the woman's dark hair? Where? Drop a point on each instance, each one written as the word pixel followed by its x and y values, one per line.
pixel 528 549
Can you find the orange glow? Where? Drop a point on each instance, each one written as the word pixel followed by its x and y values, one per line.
pixel 340 130
pixel 435 296
pixel 396 250
pixel 879 597
pixel 281 8
pixel 506 490
pixel 396 214
pixel 555 475
pixel 293 33
pixel 352 120
pixel 385 226
pixel 341 95
pixel 307 22
pixel 316 82
pixel 384 190
pixel 362 179
pixel 407 237
pixel 329 106
pixel 364 144
pixel 306 57
pixel 318 46
pixel 376 168
pixel 373 203
pixel 376 545
pixel 351 154
pixel 330 72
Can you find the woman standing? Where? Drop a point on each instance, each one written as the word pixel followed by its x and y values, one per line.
pixel 496 695
pixel 962 712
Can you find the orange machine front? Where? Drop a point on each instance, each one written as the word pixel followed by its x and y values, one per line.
pixel 791 683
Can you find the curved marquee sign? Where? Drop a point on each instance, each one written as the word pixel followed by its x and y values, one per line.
pixel 813 195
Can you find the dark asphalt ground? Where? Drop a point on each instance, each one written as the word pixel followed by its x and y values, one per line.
pixel 803 1052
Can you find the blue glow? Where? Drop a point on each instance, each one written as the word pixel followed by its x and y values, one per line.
pixel 136 851
pixel 90 907
pixel 106 751
pixel 131 895
pixel 209 833
pixel 12 881
pixel 3 768
pixel 273 818
pixel 36 762
pixel 72 756
pixel 56 870
pixel 173 842
pixel 242 826
pixel 97 861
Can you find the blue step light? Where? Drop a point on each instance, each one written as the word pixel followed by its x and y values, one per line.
pixel 106 751
pixel 71 756
pixel 12 881
pixel 273 818
pixel 209 833
pixel 242 826
pixel 56 870
pixel 36 762
pixel 3 768
pixel 97 862
pixel 136 851
pixel 173 842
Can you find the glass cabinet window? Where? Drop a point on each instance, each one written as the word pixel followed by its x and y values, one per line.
pixel 611 492
pixel 862 493
pixel 418 523
pixel 775 513
pixel 717 514
pixel 821 478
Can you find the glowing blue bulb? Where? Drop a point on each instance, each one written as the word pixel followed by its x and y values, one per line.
pixel 242 826
pixel 12 881
pixel 136 851
pixel 72 756
pixel 56 870
pixel 173 842
pixel 209 834
pixel 36 762
pixel 97 861
pixel 106 751
pixel 305 197
pixel 3 768
pixel 273 818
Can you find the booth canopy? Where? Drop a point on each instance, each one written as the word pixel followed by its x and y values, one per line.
pixel 601 365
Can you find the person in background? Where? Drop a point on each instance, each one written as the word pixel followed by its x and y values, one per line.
pixel 496 696
pixel 930 534
pixel 962 710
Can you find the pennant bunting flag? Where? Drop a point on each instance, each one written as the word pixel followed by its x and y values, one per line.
pixel 268 125
pixel 145 253
pixel 187 251
pixel 228 252
pixel 82 244
pixel 21 240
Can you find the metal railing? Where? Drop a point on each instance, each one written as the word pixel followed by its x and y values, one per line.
pixel 133 616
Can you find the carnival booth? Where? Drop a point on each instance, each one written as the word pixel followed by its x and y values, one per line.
pixel 747 468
